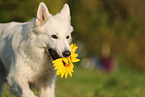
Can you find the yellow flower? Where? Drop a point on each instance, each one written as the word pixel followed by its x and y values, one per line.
pixel 64 66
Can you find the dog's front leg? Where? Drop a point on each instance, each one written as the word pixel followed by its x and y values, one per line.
pixel 23 86
pixel 48 91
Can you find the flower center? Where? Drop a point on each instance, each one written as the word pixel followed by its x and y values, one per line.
pixel 65 64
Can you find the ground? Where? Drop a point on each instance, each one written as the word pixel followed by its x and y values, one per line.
pixel 85 83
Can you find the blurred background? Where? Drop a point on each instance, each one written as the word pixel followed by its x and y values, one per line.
pixel 110 35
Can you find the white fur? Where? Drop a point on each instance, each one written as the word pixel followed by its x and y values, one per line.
pixel 23 56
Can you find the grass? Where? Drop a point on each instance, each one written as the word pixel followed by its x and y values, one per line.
pixel 86 83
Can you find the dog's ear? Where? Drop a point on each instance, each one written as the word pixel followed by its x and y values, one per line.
pixel 65 12
pixel 42 14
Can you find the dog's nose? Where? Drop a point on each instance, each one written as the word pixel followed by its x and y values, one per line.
pixel 66 53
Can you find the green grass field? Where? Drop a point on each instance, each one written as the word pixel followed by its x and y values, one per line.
pixel 86 83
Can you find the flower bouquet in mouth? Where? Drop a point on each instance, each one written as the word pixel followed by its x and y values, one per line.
pixel 64 66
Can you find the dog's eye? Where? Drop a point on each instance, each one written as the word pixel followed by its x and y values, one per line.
pixel 54 36
pixel 67 37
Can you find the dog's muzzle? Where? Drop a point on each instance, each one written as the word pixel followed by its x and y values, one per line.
pixel 66 53
pixel 54 55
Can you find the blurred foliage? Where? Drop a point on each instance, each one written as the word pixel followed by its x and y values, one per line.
pixel 117 22
pixel 24 10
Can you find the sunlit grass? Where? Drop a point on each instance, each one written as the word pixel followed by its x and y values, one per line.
pixel 86 83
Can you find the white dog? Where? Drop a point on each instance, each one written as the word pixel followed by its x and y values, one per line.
pixel 27 50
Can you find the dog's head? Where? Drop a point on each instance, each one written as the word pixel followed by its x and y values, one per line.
pixel 54 32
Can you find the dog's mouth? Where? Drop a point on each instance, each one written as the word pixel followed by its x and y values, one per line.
pixel 54 55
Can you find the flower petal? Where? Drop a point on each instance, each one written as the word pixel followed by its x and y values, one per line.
pixel 70 73
pixel 74 49
pixel 58 72
pixel 75 60
pixel 62 74
pixel 66 74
